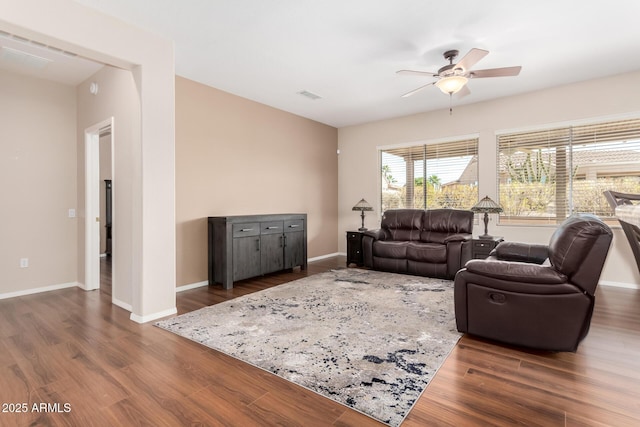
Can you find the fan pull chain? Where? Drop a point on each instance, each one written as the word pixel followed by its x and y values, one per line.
pixel 450 104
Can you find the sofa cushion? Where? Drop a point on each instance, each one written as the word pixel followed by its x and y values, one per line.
pixel 449 221
pixel 434 237
pixel 427 252
pixel 402 224
pixel 572 240
pixel 516 271
pixel 390 249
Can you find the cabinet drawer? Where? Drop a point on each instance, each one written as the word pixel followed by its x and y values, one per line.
pixel 271 227
pixel 246 229
pixel 487 246
pixel 294 225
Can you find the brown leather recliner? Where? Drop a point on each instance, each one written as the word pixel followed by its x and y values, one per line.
pixel 433 242
pixel 535 296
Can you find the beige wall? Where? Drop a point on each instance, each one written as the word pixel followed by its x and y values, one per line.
pixel 235 156
pixel 599 99
pixel 68 25
pixel 118 98
pixel 38 175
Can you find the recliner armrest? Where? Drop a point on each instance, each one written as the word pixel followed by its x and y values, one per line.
pixel 516 271
pixel 376 234
pixel 459 237
pixel 521 252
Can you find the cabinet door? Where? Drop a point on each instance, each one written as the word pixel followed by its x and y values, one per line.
pixel 272 257
pixel 354 248
pixel 246 257
pixel 294 249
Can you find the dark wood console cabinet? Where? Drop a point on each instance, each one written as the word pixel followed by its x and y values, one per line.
pixel 246 246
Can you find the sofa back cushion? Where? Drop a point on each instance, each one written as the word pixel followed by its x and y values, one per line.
pixel 573 240
pixel 438 224
pixel 402 224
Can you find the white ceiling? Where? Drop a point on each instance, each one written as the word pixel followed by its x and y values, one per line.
pixel 347 51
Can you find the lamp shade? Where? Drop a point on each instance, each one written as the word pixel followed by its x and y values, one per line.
pixel 362 205
pixel 451 84
pixel 486 205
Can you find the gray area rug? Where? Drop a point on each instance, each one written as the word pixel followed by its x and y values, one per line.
pixel 369 340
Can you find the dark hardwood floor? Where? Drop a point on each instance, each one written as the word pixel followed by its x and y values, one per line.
pixel 74 349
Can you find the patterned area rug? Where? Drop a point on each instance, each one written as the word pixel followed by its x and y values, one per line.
pixel 369 340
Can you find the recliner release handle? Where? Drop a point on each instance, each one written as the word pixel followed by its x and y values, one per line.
pixel 497 298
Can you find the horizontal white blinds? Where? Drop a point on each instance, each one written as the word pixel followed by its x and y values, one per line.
pixel 430 175
pixel 544 176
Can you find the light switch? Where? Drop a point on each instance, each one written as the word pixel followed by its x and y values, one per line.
pixel 72 213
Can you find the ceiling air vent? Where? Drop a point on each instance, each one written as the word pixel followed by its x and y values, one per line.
pixel 23 59
pixel 309 95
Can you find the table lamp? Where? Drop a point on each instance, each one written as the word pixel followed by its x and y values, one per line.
pixel 362 206
pixel 486 206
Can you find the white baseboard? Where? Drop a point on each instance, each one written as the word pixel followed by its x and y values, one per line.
pixel 84 287
pixel 619 284
pixel 192 286
pixel 318 258
pixel 39 290
pixel 122 304
pixel 154 316
pixel 206 282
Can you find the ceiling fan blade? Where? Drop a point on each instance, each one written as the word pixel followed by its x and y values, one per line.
pixel 416 73
pixel 496 72
pixel 463 92
pixel 470 59
pixel 417 90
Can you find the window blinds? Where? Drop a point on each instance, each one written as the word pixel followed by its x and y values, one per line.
pixel 544 176
pixel 430 176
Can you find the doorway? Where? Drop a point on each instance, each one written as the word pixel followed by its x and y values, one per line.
pixel 98 167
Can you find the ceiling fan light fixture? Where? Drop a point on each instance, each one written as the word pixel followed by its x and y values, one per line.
pixel 451 84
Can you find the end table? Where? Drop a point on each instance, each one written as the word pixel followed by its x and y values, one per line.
pixel 480 248
pixel 354 248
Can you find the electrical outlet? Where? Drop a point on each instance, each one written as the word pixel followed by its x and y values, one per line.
pixel 72 213
pixel 24 262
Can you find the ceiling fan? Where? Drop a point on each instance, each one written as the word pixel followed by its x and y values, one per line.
pixel 452 78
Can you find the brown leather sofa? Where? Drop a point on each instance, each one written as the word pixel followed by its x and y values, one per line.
pixel 434 243
pixel 535 296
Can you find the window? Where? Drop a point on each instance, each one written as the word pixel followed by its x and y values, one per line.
pixel 545 176
pixel 428 176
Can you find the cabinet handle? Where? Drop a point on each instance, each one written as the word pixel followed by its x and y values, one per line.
pixel 246 229
pixel 294 226
pixel 272 228
pixel 258 245
pixel 284 240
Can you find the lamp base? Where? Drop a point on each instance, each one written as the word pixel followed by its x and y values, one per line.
pixel 485 236
pixel 362 229
pixel 486 229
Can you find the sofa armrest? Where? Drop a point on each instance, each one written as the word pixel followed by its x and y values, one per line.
pixel 458 253
pixel 368 238
pixel 516 271
pixel 458 237
pixel 521 252
pixel 376 234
